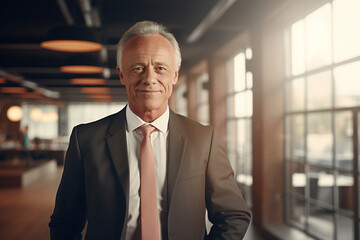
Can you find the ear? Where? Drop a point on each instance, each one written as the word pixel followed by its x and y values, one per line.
pixel 176 77
pixel 121 75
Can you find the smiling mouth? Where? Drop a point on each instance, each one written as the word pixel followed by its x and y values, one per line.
pixel 148 91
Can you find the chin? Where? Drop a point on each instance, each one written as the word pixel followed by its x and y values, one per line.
pixel 151 106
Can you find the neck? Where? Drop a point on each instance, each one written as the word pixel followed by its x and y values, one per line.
pixel 148 115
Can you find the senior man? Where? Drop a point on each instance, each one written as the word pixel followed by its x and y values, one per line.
pixel 146 172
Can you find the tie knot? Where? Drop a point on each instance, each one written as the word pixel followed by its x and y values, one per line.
pixel 147 130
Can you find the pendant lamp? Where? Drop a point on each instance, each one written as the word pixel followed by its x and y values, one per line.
pixel 87 81
pixel 14 113
pixel 82 64
pixel 72 39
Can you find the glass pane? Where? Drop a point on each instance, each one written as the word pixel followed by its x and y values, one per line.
pixel 42 120
pixel 296 213
pixel 240 105
pixel 298 137
pixel 288 137
pixel 344 140
pixel 298 47
pixel 287 101
pixel 244 152
pixel 345 228
pixel 319 90
pixel 347 84
pixel 249 103
pixel 230 107
pixel 321 182
pixel 249 79
pixel 319 138
pixel 230 75
pixel 231 142
pixel 243 104
pixel 248 53
pixel 318 37
pixel 242 140
pixel 244 146
pixel 297 94
pixel 346 39
pixel 239 72
pixel 321 222
pixel 345 184
pixel 87 112
pixel 297 178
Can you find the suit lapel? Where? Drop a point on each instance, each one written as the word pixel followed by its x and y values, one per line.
pixel 117 146
pixel 177 146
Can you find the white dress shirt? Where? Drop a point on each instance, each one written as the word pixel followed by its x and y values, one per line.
pixel 159 142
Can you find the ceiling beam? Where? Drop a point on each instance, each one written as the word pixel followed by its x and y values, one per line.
pixel 65 12
pixel 215 14
pixel 28 84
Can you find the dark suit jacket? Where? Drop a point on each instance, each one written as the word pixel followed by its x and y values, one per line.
pixel 95 184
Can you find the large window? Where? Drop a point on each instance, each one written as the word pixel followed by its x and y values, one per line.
pixel 44 120
pixel 322 107
pixel 239 120
pixel 87 112
pixel 41 119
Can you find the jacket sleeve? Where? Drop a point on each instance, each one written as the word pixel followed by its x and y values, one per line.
pixel 69 216
pixel 227 210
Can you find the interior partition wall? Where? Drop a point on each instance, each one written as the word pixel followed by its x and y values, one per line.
pixel 203 114
pixel 322 89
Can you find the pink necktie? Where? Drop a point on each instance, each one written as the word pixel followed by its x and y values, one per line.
pixel 148 194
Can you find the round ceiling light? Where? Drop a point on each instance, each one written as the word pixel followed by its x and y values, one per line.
pixel 81 69
pixel 72 39
pixel 71 45
pixel 87 81
pixel 82 64
pixel 36 114
pixel 14 113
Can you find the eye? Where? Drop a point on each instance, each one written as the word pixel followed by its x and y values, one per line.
pixel 138 69
pixel 160 68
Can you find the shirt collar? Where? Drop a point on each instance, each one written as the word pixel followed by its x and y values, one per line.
pixel 133 121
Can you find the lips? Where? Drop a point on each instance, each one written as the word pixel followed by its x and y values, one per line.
pixel 148 91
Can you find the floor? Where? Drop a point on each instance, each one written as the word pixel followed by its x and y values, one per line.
pixel 25 212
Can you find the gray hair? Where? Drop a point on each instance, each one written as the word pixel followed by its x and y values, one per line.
pixel 146 28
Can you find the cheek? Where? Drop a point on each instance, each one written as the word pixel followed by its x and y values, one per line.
pixel 169 88
pixel 167 82
pixel 131 83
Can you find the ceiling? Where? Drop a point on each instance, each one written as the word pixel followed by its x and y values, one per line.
pixel 25 24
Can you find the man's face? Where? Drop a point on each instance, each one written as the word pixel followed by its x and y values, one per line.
pixel 148 73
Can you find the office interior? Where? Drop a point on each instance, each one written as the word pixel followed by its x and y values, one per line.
pixel 278 79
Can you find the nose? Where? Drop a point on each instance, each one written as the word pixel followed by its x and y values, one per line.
pixel 149 76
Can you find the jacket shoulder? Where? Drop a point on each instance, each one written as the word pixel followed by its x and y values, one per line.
pixel 190 127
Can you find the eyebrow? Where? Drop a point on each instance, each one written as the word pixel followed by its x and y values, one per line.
pixel 155 64
pixel 162 64
pixel 137 64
